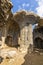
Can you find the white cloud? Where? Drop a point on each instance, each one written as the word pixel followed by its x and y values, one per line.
pixel 19 7
pixel 25 5
pixel 39 9
pixel 22 7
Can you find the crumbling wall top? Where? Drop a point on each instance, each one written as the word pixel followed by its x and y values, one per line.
pixel 27 16
pixel 5 11
pixel 5 8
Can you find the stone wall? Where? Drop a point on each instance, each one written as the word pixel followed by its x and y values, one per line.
pixel 5 12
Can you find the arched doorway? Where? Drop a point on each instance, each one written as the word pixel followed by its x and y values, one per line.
pixel 38 43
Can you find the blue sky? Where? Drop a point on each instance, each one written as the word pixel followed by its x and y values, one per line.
pixel 29 5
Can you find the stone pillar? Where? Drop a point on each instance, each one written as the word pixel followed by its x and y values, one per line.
pixel 22 36
pixel 26 35
pixel 3 41
pixel 30 35
pixel 4 35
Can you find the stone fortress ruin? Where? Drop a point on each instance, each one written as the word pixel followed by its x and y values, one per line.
pixel 16 29
pixel 38 35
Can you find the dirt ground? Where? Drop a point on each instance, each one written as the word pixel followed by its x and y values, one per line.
pixel 34 58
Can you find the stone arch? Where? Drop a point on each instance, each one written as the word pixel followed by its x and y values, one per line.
pixel 13 34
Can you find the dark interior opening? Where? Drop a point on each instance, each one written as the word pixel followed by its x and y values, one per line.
pixel 11 42
pixel 8 40
pixel 40 30
pixel 38 43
